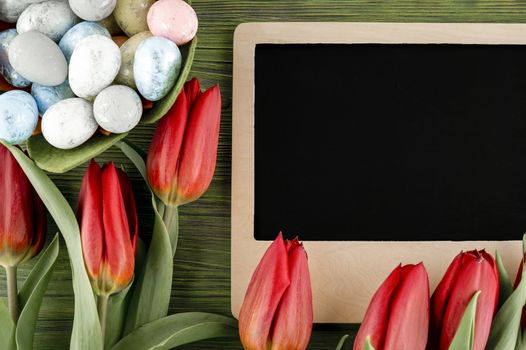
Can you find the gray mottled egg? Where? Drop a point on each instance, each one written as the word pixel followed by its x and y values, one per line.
pixel 46 96
pixel 118 109
pixel 38 59
pixel 10 10
pixel 128 49
pixel 131 15
pixel 69 123
pixel 92 10
pixel 93 66
pixel 52 18
pixel 156 66
pixel 7 71
pixel 18 116
pixel 80 31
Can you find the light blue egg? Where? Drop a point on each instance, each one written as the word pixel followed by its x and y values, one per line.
pixel 18 116
pixel 7 71
pixel 46 96
pixel 157 64
pixel 80 31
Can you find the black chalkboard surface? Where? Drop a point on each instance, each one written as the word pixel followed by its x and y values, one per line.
pixel 390 142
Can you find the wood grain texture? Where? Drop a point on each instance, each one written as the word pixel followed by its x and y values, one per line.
pixel 202 264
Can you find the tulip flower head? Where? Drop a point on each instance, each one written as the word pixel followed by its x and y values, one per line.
pixel 277 310
pixel 398 316
pixel 182 156
pixel 469 273
pixel 23 215
pixel 108 226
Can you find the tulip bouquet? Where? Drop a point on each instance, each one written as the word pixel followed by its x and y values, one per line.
pixel 122 284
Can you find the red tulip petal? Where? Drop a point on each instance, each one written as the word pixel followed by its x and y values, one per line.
pixel 477 273
pixel 266 288
pixel 192 91
pixel 39 227
pixel 119 256
pixel 376 318
pixel 165 149
pixel 89 214
pixel 199 152
pixel 409 319
pixel 129 204
pixel 292 326
pixel 16 211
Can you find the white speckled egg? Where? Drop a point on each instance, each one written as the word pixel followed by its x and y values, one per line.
pixel 92 10
pixel 46 96
pixel 80 31
pixel 93 65
pixel 156 66
pixel 18 116
pixel 7 71
pixel 69 123
pixel 51 18
pixel 38 59
pixel 10 10
pixel 117 109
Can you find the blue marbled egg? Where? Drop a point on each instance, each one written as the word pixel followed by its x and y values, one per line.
pixel 46 96
pixel 157 64
pixel 80 31
pixel 7 71
pixel 18 116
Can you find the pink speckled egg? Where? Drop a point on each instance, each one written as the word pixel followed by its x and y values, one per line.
pixel 174 20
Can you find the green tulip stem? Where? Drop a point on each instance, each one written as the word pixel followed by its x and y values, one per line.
pixel 171 221
pixel 102 306
pixel 12 292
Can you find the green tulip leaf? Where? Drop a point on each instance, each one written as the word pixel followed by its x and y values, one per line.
pixel 160 108
pixel 176 330
pixel 368 345
pixel 506 288
pixel 342 341
pixel 506 324
pixel 57 160
pixel 118 303
pixel 7 329
pixel 32 293
pixel 521 341
pixel 86 334
pixel 465 335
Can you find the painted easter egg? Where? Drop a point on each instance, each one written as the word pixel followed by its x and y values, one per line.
pixel 111 25
pixel 131 15
pixel 173 19
pixel 80 31
pixel 6 69
pixel 117 109
pixel 156 66
pixel 10 10
pixel 92 10
pixel 128 50
pixel 52 18
pixel 69 123
pixel 38 58
pixel 46 96
pixel 93 66
pixel 18 116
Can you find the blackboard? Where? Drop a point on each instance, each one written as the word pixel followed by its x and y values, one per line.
pixel 390 142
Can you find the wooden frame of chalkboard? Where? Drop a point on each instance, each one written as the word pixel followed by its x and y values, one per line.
pixel 344 274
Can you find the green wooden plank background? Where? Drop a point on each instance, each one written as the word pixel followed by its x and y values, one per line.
pixel 202 266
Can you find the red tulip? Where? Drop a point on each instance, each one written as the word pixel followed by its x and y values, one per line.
pixel 277 310
pixel 108 226
pixel 182 156
pixel 23 215
pixel 469 273
pixel 398 316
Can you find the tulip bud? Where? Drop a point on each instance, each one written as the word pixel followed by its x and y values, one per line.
pixel 277 310
pixel 182 155
pixel 398 316
pixel 23 215
pixel 469 273
pixel 108 227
